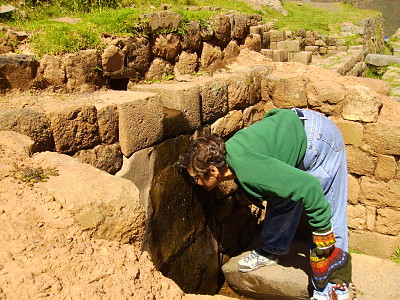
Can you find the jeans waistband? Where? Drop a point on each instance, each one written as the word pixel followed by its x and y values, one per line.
pixel 300 115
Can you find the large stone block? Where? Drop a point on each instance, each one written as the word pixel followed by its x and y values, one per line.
pixel 304 57
pixel 244 89
pixel 31 123
pixel 253 42
pixel 385 168
pixel 17 71
pixel 166 46
pixel 162 20
pixel 384 135
pixel 184 97
pixel 211 56
pixel 380 194
pixel 277 35
pixel 222 29
pixel 178 227
pixel 214 99
pixel 51 71
pixel 388 221
pixel 74 128
pixel 352 132
pixel 108 120
pixel 359 162
pixel 361 104
pixel 187 63
pixel 140 120
pixel 354 189
pixel 356 215
pixel 288 90
pixel 240 27
pixel 228 124
pixel 107 207
pixel 373 243
pixel 191 41
pixel 326 96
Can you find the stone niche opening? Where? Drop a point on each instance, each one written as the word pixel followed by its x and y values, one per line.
pixel 119 84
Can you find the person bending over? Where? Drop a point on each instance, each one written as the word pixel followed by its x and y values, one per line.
pixel 295 159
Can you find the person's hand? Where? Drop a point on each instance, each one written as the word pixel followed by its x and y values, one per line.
pixel 324 241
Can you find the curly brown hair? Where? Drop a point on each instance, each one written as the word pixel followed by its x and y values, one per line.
pixel 203 153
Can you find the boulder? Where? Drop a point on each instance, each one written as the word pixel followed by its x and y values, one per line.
pixel 166 46
pixel 21 144
pixel 211 56
pixel 159 69
pixel 253 42
pixel 231 51
pixel 191 40
pixel 104 157
pixel 214 99
pixel 228 124
pixel 288 90
pixel 138 54
pixel 162 20
pixel 83 71
pixel 51 71
pixel 222 30
pixel 187 63
pixel 74 128
pixel 381 60
pixel 107 207
pixel 240 27
pixel 17 71
pixel 112 59
pixel 31 123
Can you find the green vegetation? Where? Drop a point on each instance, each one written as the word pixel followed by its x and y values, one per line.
pixel 31 175
pixel 375 72
pixel 396 256
pixel 101 18
pixel 355 251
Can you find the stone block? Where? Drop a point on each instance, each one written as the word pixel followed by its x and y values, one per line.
pixel 140 120
pixel 183 97
pixel 312 49
pixel 210 56
pixel 385 168
pixel 228 124
pixel 31 123
pixel 214 99
pixel 287 90
pixel 108 120
pixel 21 144
pixel 325 95
pixel 273 45
pixel 265 40
pixel 104 157
pixel 159 69
pixel 356 216
pixel 381 60
pixel 352 132
pixel 163 20
pixel 359 162
pixel 361 104
pixel 373 243
pixel 107 207
pixel 74 127
pixel 379 193
pixel 293 45
pixel 280 55
pixel 112 58
pixel 240 27
pixel 166 46
pixel 384 135
pixel 341 48
pixel 267 53
pixel 187 63
pixel 253 42
pixel 17 71
pixel 232 50
pixel 304 57
pixel 282 45
pixel 191 41
pixel 254 113
pixel 244 89
pixel 323 50
pixel 51 71
pixel 388 221
pixel 277 35
pixel 371 218
pixel 353 189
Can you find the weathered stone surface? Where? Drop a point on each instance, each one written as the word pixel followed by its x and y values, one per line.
pixel 387 221
pixel 384 135
pixel 83 71
pixel 356 216
pixel 288 90
pixel 304 57
pixel 166 46
pixel 231 51
pixel 158 69
pixel 106 206
pixel 175 213
pixel 243 90
pixel 361 104
pixel 30 123
pixel 254 113
pixel 293 45
pixel 381 60
pixel 277 35
pixel 385 168
pixel 104 157
pixel 253 42
pixel 187 63
pixel 222 30
pixel 17 71
pixel 325 95
pixel 352 132
pixel 5 45
pixel 51 71
pixel 138 54
pixel 373 243
pixel 184 97
pixel 280 55
pixel 214 100
pixel 380 194
pixel 74 128
pixel 240 27
pixel 359 162
pixel 140 120
pixel 371 218
pixel 17 142
pixel 354 189
pixel 112 59
pixel 163 20
pixel 107 118
pixel 211 56
pixel 285 280
pixel 228 124
pixel 191 40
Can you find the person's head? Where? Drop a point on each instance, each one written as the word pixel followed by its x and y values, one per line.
pixel 204 160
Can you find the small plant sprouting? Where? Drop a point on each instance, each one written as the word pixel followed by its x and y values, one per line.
pixel 32 175
pixel 396 256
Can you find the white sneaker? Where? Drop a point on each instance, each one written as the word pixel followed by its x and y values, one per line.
pixel 255 260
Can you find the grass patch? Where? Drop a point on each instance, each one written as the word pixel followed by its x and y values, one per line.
pixel 355 251
pixel 375 71
pixel 396 256
pixel 31 175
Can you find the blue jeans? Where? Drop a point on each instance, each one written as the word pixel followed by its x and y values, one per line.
pixel 325 158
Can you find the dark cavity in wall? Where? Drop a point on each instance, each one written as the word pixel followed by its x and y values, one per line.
pixel 119 84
